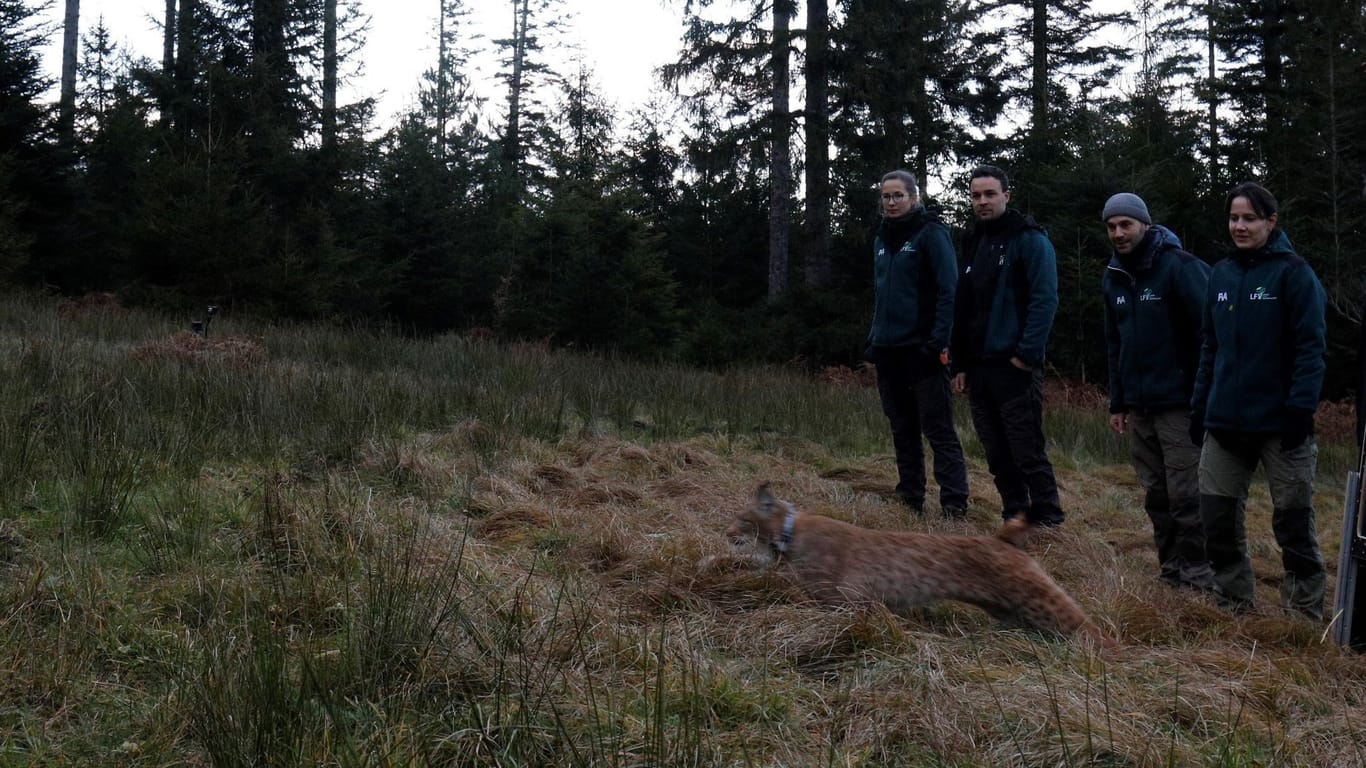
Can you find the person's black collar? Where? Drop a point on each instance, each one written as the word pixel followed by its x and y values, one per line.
pixel 1010 222
pixel 1140 257
pixel 896 231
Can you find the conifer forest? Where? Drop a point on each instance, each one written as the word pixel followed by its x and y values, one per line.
pixel 728 222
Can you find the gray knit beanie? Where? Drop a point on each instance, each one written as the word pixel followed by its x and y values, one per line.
pixel 1126 204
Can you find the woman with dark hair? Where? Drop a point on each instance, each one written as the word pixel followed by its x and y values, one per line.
pixel 1256 391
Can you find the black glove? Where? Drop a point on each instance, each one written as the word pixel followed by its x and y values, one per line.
pixel 1296 426
pixel 936 357
pixel 1197 430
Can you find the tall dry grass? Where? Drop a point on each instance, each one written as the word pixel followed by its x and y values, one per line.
pixel 303 546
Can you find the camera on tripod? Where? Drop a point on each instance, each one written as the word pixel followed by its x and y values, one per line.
pixel 201 327
pixel 1349 608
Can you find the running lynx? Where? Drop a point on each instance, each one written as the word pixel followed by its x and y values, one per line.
pixel 840 563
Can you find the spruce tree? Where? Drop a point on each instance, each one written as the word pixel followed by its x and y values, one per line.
pixel 33 195
pixel 526 73
pixel 913 83
pixel 741 66
pixel 1069 59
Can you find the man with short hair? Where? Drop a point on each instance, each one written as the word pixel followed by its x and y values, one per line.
pixel 914 277
pixel 1007 298
pixel 1154 300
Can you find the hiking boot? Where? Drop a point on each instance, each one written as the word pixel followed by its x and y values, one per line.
pixel 1047 520
pixel 918 507
pixel 953 512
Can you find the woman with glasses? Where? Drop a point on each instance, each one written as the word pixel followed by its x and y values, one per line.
pixel 914 274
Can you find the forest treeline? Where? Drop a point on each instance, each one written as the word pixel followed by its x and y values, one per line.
pixel 731 223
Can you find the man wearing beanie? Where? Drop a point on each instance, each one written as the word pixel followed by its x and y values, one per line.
pixel 1003 313
pixel 1154 299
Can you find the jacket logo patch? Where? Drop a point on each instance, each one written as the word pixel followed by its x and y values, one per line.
pixel 1119 301
pixel 1223 296
pixel 1260 295
pixel 1148 295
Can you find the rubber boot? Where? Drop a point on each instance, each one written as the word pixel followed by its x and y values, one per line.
pixel 1195 570
pixel 1304 582
pixel 1155 503
pixel 1226 545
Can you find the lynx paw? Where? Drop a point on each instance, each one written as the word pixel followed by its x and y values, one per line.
pixel 732 562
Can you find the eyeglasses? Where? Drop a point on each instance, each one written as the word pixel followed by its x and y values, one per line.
pixel 894 197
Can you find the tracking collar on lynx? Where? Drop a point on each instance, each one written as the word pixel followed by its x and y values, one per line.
pixel 838 563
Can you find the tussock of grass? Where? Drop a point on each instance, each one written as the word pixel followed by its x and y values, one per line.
pixel 350 549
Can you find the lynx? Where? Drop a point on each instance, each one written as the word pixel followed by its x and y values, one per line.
pixel 840 563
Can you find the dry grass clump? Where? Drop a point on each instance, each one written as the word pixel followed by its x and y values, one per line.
pixel 12 544
pixel 1336 422
pixel 238 352
pixel 1077 394
pixel 862 376
pixel 88 305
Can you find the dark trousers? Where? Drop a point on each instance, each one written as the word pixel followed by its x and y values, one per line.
pixel 915 397
pixel 1007 410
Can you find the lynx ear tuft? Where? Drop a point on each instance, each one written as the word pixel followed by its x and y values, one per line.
pixel 763 500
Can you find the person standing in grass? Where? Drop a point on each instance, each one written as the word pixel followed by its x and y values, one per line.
pixel 1256 390
pixel 1154 300
pixel 1007 299
pixel 914 276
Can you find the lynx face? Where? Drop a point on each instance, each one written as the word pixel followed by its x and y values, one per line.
pixel 743 533
pixel 754 527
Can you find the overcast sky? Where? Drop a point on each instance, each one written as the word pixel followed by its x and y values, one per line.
pixel 621 40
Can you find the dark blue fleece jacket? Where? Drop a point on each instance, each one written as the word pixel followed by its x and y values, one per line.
pixel 1262 356
pixel 1154 302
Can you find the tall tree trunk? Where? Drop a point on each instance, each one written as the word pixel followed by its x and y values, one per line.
pixel 1273 86
pixel 512 140
pixel 817 144
pixel 329 117
pixel 1038 132
pixel 268 120
pixel 168 37
pixel 71 37
pixel 919 114
pixel 780 214
pixel 1213 90
pixel 442 72
pixel 185 64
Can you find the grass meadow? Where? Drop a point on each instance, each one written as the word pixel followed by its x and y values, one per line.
pixel 302 546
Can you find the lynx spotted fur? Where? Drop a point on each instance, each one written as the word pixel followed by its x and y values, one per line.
pixel 840 563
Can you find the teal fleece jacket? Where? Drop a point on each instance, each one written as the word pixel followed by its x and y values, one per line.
pixel 913 286
pixel 1007 294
